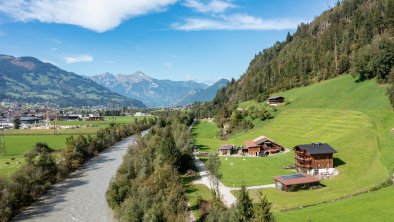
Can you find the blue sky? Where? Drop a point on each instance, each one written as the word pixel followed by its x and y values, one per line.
pixel 201 40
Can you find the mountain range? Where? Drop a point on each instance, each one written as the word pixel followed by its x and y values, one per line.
pixel 158 93
pixel 27 79
pixel 203 95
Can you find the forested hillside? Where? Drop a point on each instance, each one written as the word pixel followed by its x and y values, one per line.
pixel 354 37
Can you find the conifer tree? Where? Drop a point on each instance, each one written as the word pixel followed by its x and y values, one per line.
pixel 262 210
pixel 244 206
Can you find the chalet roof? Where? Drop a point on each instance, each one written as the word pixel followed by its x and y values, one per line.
pixel 261 139
pixel 250 144
pixel 293 179
pixel 226 147
pixel 317 148
pixel 276 97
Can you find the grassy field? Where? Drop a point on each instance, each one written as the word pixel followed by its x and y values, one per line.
pixel 375 206
pixel 355 118
pixel 17 146
pixel 19 142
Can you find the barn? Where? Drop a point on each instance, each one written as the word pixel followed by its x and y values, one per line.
pixel 294 182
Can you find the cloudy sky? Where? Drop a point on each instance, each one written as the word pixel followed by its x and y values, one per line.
pixel 202 40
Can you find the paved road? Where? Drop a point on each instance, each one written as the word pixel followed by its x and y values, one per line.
pixel 227 197
pixel 82 196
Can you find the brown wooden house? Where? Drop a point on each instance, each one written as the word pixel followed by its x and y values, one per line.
pixel 294 182
pixel 226 149
pixel 262 146
pixel 314 158
pixel 276 100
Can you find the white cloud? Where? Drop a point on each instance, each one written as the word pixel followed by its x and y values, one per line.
pixel 214 6
pixel 57 41
pixel 169 65
pixel 236 22
pixel 54 49
pixel 81 58
pixel 96 15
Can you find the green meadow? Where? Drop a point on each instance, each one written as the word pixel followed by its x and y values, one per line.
pixel 355 118
pixel 19 142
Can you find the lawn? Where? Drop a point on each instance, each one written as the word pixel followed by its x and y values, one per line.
pixel 194 192
pixel 355 118
pixel 374 206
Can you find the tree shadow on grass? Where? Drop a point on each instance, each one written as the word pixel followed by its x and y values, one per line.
pixel 338 162
pixel 201 147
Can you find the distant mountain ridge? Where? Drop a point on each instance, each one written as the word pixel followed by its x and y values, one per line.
pixel 203 95
pixel 27 79
pixel 153 92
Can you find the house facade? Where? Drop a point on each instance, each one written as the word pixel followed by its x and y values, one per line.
pixel 275 100
pixel 262 146
pixel 315 158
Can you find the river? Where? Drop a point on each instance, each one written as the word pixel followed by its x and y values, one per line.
pixel 81 197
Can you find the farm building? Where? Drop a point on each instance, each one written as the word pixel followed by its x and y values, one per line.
pixel 226 149
pixel 315 158
pixel 294 182
pixel 262 146
pixel 94 118
pixel 275 100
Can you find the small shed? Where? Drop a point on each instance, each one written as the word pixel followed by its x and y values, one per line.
pixel 226 149
pixel 276 100
pixel 294 182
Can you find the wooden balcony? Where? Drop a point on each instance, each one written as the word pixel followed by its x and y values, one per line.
pixel 302 165
pixel 303 159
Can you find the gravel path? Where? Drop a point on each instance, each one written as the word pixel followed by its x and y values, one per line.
pixel 227 197
pixel 81 197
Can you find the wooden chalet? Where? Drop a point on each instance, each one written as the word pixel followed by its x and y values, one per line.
pixel 314 158
pixel 226 149
pixel 294 182
pixel 262 146
pixel 275 100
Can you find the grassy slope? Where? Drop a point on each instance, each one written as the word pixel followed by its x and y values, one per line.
pixel 355 118
pixel 375 206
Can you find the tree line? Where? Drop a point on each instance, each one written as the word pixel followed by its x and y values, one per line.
pixel 43 167
pixel 147 186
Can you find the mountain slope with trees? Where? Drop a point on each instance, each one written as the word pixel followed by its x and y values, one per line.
pixel 27 79
pixel 354 37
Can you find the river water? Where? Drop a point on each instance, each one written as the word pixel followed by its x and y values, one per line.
pixel 81 197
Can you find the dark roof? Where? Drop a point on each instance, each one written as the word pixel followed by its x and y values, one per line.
pixel 226 147
pixel 292 179
pixel 317 148
pixel 276 97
